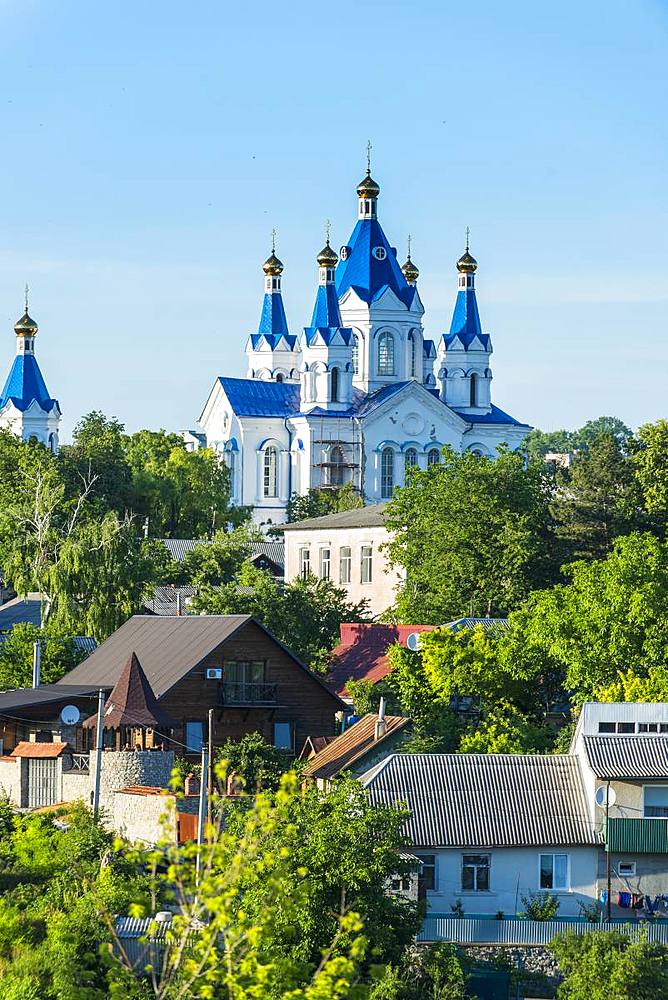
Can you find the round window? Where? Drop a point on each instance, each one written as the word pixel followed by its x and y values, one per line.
pixel 343 252
pixel 380 253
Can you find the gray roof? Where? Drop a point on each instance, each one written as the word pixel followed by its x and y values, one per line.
pixel 168 648
pixel 46 694
pixel 363 517
pixel 163 600
pixel 20 611
pixel 179 547
pixel 486 800
pixel 489 624
pixel 627 756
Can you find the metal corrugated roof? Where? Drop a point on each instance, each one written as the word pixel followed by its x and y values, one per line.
pixel 486 800
pixel 360 517
pixel 46 694
pixel 627 756
pixel 352 745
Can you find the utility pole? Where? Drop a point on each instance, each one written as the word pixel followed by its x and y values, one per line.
pixel 36 663
pixel 202 809
pixel 98 753
pixel 210 773
pixel 607 849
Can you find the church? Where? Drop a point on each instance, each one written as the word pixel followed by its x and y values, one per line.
pixel 26 408
pixel 360 395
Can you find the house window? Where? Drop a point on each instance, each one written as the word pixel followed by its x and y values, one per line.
pixel 270 484
pixel 386 354
pixel 410 461
pixel 626 869
pixel 345 564
pixel 386 472
pixel 607 727
pixel 366 556
pixel 283 735
pixel 304 562
pixel 554 871
pixel 433 456
pixel 656 800
pixel 475 873
pixel 325 563
pixel 627 727
pixel 243 681
pixel 335 385
pixel 356 354
pixel 194 736
pixel 643 727
pixel 426 873
pixel 336 466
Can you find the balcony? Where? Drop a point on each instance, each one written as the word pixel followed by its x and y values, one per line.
pixel 637 836
pixel 245 694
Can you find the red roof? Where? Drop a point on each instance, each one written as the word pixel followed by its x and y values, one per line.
pixel 362 652
pixel 39 750
pixel 352 745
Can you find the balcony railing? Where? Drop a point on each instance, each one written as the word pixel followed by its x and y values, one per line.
pixel 638 836
pixel 473 930
pixel 241 693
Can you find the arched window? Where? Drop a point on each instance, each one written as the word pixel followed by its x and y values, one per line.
pixel 270 480
pixel 336 466
pixel 412 355
pixel 386 354
pixel 356 354
pixel 386 472
pixel 279 377
pixel 433 456
pixel 335 385
pixel 410 461
pixel 474 390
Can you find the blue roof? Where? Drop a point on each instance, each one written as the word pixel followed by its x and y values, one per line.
pixel 25 384
pixel 326 310
pixel 367 275
pixel 272 318
pixel 496 416
pixel 328 334
pixel 466 321
pixel 253 398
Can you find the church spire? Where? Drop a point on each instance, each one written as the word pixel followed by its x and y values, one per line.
pixel 26 329
pixel 326 313
pixel 411 272
pixel 368 191
pixel 273 321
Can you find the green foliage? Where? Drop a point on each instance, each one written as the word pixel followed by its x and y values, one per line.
pixel 317 502
pixel 305 614
pixel 505 728
pixel 259 763
pixel 650 459
pixel 488 557
pixel 541 906
pixel 58 655
pixel 218 561
pixel 435 973
pixel 538 443
pixel 436 729
pixel 609 966
pixel 366 696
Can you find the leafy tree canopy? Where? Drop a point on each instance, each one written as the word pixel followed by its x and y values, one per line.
pixel 651 463
pixel 609 966
pixel 58 655
pixel 317 502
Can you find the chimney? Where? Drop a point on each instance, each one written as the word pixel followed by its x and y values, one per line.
pixel 36 664
pixel 381 725
pixel 178 603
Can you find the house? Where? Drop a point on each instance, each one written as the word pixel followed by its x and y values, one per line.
pixel 229 663
pixel 347 548
pixel 359 747
pixel 27 610
pixel 267 554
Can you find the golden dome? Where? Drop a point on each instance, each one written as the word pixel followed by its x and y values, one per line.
pixel 467 264
pixel 327 257
pixel 411 273
pixel 272 265
pixel 368 187
pixel 26 326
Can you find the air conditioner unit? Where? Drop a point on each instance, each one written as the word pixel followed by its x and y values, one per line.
pixel 413 641
pixel 214 673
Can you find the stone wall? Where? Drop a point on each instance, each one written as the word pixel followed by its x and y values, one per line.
pixel 528 959
pixel 143 817
pixel 75 785
pixel 121 769
pixel 10 779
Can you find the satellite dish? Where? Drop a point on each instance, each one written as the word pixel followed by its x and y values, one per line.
pixel 413 641
pixel 70 715
pixel 601 793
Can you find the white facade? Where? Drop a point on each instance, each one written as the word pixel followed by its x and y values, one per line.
pixel 26 409
pixel 360 394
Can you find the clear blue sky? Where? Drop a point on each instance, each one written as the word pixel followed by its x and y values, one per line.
pixel 148 149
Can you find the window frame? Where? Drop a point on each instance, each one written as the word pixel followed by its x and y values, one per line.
pixel 385 354
pixel 347 561
pixel 334 384
pixel 270 464
pixel 554 888
pixel 304 563
pixel 663 815
pixel 387 476
pixel 325 562
pixel 355 358
pixel 280 746
pixel 432 866
pixel 366 560
pixel 629 874
pixel 476 868
pixel 186 740
pixel 413 463
pixel 431 461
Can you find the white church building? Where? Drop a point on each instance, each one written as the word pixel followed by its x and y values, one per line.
pixel 26 408
pixel 360 395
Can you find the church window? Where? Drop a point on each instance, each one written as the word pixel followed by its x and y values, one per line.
pixel 335 385
pixel 270 483
pixel 356 354
pixel 433 456
pixel 474 390
pixel 386 354
pixel 380 253
pixel 343 252
pixel 279 377
pixel 412 347
pixel 336 466
pixel 386 472
pixel 410 460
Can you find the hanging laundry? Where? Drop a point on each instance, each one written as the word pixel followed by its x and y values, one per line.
pixel 604 896
pixel 624 900
pixel 637 901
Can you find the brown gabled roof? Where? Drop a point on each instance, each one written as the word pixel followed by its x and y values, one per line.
pixel 132 702
pixel 314 744
pixel 39 751
pixel 352 745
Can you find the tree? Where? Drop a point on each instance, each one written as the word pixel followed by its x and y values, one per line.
pixel 58 655
pixel 473 534
pixel 612 615
pixel 650 459
pixel 587 435
pixel 97 456
pixel 218 561
pixel 259 763
pixel 317 502
pixel 598 499
pixel 305 614
pixel 610 966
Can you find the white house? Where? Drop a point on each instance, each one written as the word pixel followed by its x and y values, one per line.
pixel 360 395
pixel 26 408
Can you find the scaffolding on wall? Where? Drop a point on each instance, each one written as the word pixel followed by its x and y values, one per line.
pixel 327 474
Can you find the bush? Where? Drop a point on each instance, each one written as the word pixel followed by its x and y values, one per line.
pixel 540 906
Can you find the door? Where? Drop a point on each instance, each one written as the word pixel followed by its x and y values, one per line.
pixel 42 782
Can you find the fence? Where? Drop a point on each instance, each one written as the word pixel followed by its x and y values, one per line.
pixel 469 930
pixel 134 945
